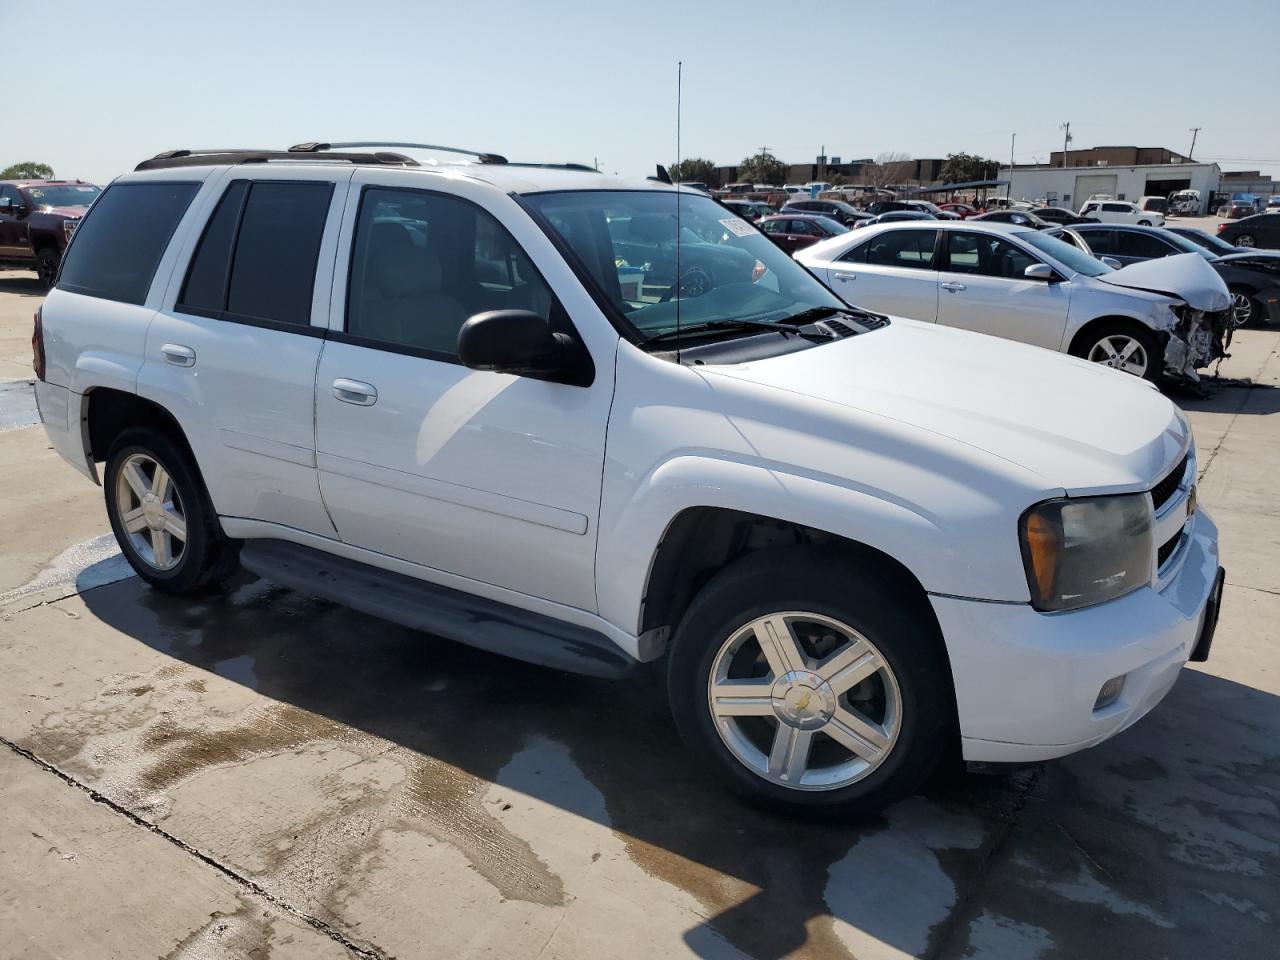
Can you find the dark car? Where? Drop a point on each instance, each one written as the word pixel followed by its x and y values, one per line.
pixel 1021 218
pixel 751 210
pixel 1061 216
pixel 796 231
pixel 1260 230
pixel 1252 276
pixel 37 218
pixel 917 206
pixel 1207 240
pixel 835 209
pixel 892 216
pixel 648 244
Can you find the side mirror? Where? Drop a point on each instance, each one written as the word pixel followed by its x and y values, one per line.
pixel 514 341
pixel 1039 271
pixel 1111 262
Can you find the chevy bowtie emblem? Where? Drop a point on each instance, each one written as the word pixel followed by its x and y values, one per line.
pixel 803 702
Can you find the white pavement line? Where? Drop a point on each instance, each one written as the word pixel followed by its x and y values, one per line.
pixel 246 883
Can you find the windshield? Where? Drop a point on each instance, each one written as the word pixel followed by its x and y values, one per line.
pixel 1210 241
pixel 1187 246
pixel 728 270
pixel 62 195
pixel 1067 255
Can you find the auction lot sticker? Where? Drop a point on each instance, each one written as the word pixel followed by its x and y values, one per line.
pixel 738 227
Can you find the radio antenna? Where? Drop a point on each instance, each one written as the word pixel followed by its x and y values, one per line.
pixel 679 191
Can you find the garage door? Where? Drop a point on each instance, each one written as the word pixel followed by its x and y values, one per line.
pixel 1088 185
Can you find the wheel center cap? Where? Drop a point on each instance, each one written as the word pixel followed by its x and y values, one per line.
pixel 153 511
pixel 803 700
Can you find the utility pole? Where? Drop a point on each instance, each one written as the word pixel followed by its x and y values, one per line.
pixel 1009 186
pixel 1066 140
pixel 1195 131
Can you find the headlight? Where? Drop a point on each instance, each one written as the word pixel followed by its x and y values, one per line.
pixel 1083 551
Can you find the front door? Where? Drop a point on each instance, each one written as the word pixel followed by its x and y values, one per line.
pixel 893 272
pixel 983 288
pixel 483 476
pixel 233 350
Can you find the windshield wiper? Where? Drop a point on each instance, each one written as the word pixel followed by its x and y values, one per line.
pixel 783 328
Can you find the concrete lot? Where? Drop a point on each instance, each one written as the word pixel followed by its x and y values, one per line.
pixel 259 773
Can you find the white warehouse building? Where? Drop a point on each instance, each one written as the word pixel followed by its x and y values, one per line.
pixel 1072 186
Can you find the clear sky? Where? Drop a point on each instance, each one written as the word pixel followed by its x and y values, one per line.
pixel 107 84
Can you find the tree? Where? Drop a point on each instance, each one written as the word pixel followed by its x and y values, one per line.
pixel 888 169
pixel 695 170
pixel 964 167
pixel 764 167
pixel 29 170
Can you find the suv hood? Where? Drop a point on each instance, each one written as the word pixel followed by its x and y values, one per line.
pixel 1187 276
pixel 1078 426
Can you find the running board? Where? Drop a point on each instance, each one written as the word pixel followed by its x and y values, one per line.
pixel 463 617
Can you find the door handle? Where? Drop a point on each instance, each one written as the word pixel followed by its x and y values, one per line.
pixel 178 355
pixel 846 276
pixel 355 391
pixel 953 287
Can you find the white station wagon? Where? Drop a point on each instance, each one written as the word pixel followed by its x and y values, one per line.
pixel 596 423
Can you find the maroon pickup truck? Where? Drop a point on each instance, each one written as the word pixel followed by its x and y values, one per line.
pixel 37 218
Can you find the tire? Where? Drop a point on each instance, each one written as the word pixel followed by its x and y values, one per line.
pixel 1106 344
pixel 47 260
pixel 1246 309
pixel 833 601
pixel 168 532
pixel 1144 223
pixel 1245 240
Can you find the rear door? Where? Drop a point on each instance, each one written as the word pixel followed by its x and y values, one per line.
pixel 891 272
pixel 983 288
pixel 233 351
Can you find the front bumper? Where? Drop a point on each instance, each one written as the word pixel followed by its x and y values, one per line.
pixel 1026 682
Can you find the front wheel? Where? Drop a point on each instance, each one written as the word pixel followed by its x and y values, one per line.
pixel 162 517
pixel 1245 240
pixel 1144 223
pixel 1245 309
pixel 1127 347
pixel 47 260
pixel 807 681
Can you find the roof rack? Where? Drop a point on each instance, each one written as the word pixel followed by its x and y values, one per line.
pixel 581 167
pixel 318 147
pixel 214 157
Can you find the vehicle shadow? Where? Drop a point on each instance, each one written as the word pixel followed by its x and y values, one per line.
pixel 1225 395
pixel 768 884
pixel 22 284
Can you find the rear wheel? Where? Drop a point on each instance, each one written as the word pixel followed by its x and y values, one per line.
pixel 1124 346
pixel 808 681
pixel 162 517
pixel 47 260
pixel 1245 240
pixel 1144 223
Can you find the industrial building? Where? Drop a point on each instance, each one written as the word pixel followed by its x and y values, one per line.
pixel 1125 173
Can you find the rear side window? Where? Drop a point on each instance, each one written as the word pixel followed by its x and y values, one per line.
pixel 122 238
pixel 1132 244
pixel 903 248
pixel 257 259
pixel 1099 241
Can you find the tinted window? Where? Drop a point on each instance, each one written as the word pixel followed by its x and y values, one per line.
pixel 988 256
pixel 1130 243
pixel 120 241
pixel 205 288
pixel 1099 241
pixel 1117 208
pixel 773 226
pixel 902 248
pixel 273 270
pixel 424 262
pixel 803 227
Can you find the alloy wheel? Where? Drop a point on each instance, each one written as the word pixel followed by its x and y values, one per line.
pixel 1120 352
pixel 151 512
pixel 1245 240
pixel 1241 309
pixel 804 701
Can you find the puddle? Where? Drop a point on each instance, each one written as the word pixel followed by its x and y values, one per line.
pixel 83 566
pixel 18 405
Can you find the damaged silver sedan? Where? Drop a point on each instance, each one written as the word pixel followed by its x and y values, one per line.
pixel 1162 318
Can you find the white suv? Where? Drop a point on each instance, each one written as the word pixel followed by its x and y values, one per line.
pixel 515 406
pixel 1121 211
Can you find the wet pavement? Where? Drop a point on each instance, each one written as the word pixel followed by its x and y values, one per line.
pixel 308 781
